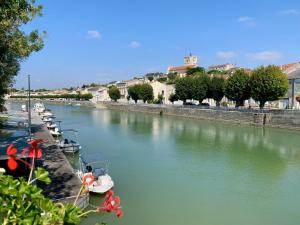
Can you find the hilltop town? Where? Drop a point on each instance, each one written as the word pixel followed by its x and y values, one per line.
pixel 163 85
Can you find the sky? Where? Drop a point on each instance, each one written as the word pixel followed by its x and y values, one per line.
pixel 102 41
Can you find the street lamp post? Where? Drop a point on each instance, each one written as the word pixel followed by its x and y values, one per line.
pixel 29 108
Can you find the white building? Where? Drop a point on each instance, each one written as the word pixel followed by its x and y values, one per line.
pixel 99 94
pixel 162 89
pixel 223 67
pixel 124 85
pixel 190 62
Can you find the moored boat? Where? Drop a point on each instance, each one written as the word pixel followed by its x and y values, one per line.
pixel 39 107
pixel 98 171
pixel 69 145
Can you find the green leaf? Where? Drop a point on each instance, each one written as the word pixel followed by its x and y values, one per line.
pixel 42 175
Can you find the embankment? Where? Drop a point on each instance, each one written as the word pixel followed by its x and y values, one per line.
pixel 288 119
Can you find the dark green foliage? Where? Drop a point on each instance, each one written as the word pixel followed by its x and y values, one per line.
pixel 216 89
pixel 195 70
pixel 237 87
pixel 159 99
pixel 183 87
pixel 215 72
pixel 268 84
pixel 162 79
pixel 15 44
pixel 134 92
pixel 172 76
pixel 146 92
pixel 25 203
pixel 114 93
pixel 150 79
pixel 173 97
pixel 200 87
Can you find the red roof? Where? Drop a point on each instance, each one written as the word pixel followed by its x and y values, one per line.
pixel 288 66
pixel 174 68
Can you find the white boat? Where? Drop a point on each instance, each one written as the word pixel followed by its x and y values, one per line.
pixel 39 107
pixel 51 125
pixel 23 108
pixel 55 132
pixel 69 145
pixel 102 181
pixel 46 112
pixel 47 119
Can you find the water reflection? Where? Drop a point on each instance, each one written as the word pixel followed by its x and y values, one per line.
pixel 219 136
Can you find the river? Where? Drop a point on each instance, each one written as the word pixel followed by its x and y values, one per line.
pixel 170 170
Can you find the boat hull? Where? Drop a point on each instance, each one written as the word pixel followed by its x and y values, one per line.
pixel 71 148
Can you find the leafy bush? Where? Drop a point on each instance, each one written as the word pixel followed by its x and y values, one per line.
pixel 268 84
pixel 237 87
pixel 114 93
pixel 216 89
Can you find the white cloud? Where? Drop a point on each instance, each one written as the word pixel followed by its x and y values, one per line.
pixel 288 12
pixel 93 34
pixel 247 20
pixel 135 44
pixel 227 55
pixel 264 56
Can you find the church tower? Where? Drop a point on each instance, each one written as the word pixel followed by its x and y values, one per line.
pixel 190 60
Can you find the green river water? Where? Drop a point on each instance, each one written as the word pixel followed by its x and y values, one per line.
pixel 170 170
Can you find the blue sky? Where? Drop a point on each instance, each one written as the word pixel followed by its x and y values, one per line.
pixel 100 41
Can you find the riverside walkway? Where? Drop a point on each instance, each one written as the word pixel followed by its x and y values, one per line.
pixel 65 184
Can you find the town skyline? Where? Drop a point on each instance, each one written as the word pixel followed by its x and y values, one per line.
pixel 100 47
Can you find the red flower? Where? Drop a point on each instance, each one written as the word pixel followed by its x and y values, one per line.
pixel 119 213
pixel 112 204
pixel 34 150
pixel 11 152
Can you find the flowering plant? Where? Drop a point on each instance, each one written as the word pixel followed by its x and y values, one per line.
pixel 22 202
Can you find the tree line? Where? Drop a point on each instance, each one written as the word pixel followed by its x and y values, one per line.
pixel 81 97
pixel 136 92
pixel 263 84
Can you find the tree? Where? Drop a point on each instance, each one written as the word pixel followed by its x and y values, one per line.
pixel 146 92
pixel 237 87
pixel 134 92
pixel 268 84
pixel 150 79
pixel 114 93
pixel 160 98
pixel 162 79
pixel 172 76
pixel 192 71
pixel 183 88
pixel 200 86
pixel 173 97
pixel 216 89
pixel 15 44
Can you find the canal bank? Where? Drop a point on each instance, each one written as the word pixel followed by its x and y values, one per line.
pixel 64 185
pixel 285 119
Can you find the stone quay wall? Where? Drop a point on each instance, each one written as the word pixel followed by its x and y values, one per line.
pixel 288 119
